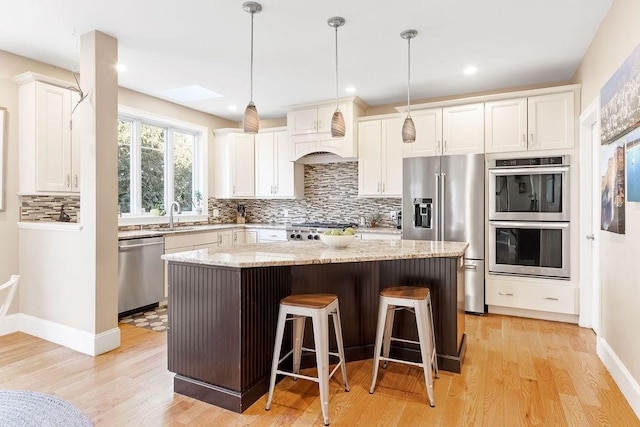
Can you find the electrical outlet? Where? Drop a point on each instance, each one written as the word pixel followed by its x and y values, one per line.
pixel 216 213
pixel 392 215
pixel 285 213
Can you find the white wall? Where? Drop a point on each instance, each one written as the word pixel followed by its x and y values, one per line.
pixel 617 37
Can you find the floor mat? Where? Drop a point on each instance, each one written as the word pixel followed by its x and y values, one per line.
pixel 154 319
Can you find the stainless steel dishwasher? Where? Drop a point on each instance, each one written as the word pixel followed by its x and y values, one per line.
pixel 140 273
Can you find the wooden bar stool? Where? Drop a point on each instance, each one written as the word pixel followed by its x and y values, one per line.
pixel 418 301
pixel 318 307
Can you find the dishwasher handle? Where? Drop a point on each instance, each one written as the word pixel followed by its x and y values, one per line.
pixel 125 247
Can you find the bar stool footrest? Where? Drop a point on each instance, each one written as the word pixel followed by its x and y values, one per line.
pixel 406 362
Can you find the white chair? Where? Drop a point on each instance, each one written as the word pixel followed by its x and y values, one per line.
pixel 7 291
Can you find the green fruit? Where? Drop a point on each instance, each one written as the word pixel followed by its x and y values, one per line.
pixel 349 230
pixel 327 233
pixel 336 233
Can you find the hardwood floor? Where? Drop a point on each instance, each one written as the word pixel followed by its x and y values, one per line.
pixel 516 372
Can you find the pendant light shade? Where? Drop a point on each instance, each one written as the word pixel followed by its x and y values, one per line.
pixel 408 128
pixel 251 121
pixel 337 120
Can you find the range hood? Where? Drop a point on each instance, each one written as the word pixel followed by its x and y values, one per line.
pixel 323 157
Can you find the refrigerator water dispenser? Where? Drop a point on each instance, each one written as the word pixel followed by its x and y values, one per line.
pixel 422 213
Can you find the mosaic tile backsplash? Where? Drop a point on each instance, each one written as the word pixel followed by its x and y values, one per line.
pixel 330 195
pixel 47 207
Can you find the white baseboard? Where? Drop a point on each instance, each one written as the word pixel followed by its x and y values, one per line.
pixel 533 314
pixel 623 378
pixel 75 339
pixel 10 324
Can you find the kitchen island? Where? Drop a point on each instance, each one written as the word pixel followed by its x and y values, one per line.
pixel 223 307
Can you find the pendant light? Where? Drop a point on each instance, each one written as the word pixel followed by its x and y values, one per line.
pixel 408 128
pixel 251 121
pixel 337 121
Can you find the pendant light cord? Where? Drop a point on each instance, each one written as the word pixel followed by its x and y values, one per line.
pixel 409 77
pixel 337 108
pixel 251 56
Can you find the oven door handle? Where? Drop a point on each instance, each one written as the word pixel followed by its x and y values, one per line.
pixel 529 171
pixel 528 224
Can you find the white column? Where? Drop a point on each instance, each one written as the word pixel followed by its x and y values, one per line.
pixel 99 186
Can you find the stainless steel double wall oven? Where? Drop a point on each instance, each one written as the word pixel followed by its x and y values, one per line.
pixel 529 217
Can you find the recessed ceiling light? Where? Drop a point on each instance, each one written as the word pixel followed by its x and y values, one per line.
pixel 471 69
pixel 350 89
pixel 232 108
pixel 121 68
pixel 190 93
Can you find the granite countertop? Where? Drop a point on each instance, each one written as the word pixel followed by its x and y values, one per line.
pixel 137 234
pixel 303 253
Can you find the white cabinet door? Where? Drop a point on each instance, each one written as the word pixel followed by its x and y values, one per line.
pixel 238 237
pixel 289 177
pixel 244 166
pixel 463 129
pixel 265 155
pixel 391 160
pixel 234 164
pixel 369 159
pixel 225 238
pixel 325 114
pixel 505 125
pixel 428 141
pixel 53 138
pixel 301 122
pixel 551 121
pixel 250 237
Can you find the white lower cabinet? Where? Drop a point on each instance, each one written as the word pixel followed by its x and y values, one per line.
pixel 271 235
pixel 244 237
pixel 554 298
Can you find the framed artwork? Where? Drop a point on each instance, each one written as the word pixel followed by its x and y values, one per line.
pixel 633 166
pixel 3 157
pixel 612 186
pixel 620 100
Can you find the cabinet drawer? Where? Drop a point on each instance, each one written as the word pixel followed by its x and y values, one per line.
pixel 192 239
pixel 542 297
pixel 269 235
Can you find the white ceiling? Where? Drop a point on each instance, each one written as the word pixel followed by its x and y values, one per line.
pixel 167 44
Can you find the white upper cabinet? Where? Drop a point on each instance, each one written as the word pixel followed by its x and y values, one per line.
pixel 543 122
pixel 49 147
pixel 380 161
pixel 234 164
pixel 447 131
pixel 428 141
pixel 309 128
pixel 463 129
pixel 276 175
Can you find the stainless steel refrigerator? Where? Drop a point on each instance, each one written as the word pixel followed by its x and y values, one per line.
pixel 443 199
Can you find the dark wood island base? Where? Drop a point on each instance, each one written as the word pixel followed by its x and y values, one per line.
pixel 222 320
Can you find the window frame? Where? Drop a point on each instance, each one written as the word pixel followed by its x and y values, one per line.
pixel 200 167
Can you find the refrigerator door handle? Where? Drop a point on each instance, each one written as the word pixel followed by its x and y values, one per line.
pixel 443 193
pixel 436 219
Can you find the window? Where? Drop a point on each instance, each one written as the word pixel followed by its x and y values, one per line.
pixel 157 164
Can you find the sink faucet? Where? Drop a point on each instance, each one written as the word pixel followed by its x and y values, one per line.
pixel 173 205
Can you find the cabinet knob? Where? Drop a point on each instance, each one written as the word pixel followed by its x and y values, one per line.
pixel 506 294
pixel 524 140
pixel 550 299
pixel 532 144
pixel 444 146
pixel 75 180
pixel 68 185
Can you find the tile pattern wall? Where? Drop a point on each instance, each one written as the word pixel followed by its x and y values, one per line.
pixel 47 207
pixel 330 194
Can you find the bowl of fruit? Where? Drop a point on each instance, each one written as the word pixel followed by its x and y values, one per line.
pixel 338 238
